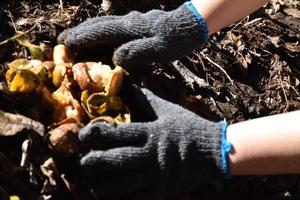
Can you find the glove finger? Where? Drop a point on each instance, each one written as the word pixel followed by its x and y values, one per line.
pixel 145 101
pixel 117 159
pixel 142 52
pixel 63 35
pixel 104 134
pixel 114 184
pixel 103 30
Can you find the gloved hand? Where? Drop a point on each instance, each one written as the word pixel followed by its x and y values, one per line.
pixel 172 154
pixel 155 36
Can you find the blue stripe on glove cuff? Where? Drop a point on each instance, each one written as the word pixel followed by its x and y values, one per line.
pixel 226 148
pixel 200 19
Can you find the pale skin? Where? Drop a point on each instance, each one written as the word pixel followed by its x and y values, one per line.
pixel 263 146
pixel 222 13
pixel 266 146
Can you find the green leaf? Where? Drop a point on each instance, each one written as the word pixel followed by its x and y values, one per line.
pixel 35 51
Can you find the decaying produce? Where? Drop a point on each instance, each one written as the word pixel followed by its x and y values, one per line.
pixel 76 93
pixel 63 139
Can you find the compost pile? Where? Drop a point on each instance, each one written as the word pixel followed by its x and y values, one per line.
pixel 248 70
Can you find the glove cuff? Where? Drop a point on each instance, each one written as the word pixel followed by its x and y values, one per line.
pixel 226 148
pixel 214 149
pixel 200 20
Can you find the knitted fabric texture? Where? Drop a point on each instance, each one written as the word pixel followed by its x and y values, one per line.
pixel 170 155
pixel 155 36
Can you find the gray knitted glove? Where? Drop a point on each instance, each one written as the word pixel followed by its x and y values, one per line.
pixel 172 154
pixel 155 36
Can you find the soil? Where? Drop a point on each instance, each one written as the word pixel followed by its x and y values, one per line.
pixel 252 69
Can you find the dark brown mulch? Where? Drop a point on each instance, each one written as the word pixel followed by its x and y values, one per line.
pixel 252 68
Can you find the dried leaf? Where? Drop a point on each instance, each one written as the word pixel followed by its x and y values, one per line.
pixel 293 47
pixel 274 40
pixel 107 6
pixel 293 12
pixel 11 124
pixel 35 51
pixel 49 169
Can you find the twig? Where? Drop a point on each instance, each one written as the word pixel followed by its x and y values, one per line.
pixel 203 65
pixel 189 77
pixel 218 66
pixel 240 22
pixel 17 35
pixel 12 21
pixel 284 94
pixel 252 22
pixel 61 6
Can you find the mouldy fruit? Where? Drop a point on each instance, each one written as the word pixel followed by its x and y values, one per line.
pixel 64 138
pixel 99 88
pixel 99 74
pixel 81 76
pixel 96 77
pixel 100 106
pixel 16 63
pixel 67 106
pixel 26 76
pixel 62 55
pixel 63 60
pixel 23 81
pixel 99 103
pixel 58 74
pixel 115 81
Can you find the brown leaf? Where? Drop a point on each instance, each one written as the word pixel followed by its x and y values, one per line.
pixel 293 12
pixel 107 6
pixel 11 124
pixel 293 47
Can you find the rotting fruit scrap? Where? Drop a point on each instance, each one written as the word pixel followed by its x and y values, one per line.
pixel 97 86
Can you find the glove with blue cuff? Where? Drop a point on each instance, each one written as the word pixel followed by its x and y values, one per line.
pixel 143 38
pixel 172 154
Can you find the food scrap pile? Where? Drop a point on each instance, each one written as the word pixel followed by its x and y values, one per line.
pixel 247 70
pixel 60 81
pixel 74 93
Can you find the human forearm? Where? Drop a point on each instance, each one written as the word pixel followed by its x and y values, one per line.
pixel 266 146
pixel 221 13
